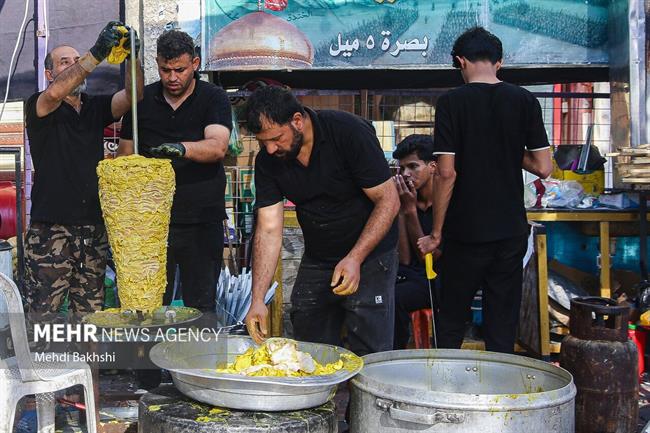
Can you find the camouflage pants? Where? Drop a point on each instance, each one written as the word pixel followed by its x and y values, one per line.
pixel 65 260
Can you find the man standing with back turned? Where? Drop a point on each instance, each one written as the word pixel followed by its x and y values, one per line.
pixel 486 131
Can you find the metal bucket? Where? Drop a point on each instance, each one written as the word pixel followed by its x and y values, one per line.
pixel 460 391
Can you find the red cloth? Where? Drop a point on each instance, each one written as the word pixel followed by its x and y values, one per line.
pixel 276 5
pixel 540 189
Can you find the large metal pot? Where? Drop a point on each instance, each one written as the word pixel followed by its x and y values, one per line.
pixel 460 391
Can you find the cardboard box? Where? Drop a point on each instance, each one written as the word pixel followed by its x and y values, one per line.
pixel 245 182
pixel 246 159
pixel 249 145
pixel 245 217
pixel 231 177
pixel 243 160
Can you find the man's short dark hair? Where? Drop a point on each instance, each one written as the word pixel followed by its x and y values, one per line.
pixel 49 61
pixel 420 144
pixel 477 44
pixel 275 103
pixel 174 43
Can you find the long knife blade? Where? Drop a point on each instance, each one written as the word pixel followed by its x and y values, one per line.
pixel 134 92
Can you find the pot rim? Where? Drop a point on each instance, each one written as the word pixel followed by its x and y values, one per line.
pixel 454 401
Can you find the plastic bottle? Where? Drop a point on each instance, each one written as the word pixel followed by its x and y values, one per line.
pixel 639 340
pixel 110 300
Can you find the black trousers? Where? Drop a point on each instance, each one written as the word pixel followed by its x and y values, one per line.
pixel 497 268
pixel 197 249
pixel 318 315
pixel 411 294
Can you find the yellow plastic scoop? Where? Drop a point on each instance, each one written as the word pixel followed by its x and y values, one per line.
pixel 120 52
pixel 428 264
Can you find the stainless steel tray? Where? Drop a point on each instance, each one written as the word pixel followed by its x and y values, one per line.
pixel 114 319
pixel 193 368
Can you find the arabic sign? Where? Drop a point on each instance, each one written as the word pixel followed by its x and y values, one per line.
pixel 347 49
pixel 417 33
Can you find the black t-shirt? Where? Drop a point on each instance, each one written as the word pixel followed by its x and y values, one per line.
pixel 66 147
pixel 426 223
pixel 200 187
pixel 331 206
pixel 488 127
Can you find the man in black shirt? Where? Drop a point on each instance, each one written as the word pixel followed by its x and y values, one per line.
pixel 485 133
pixel 66 244
pixel 189 121
pixel 330 164
pixel 415 187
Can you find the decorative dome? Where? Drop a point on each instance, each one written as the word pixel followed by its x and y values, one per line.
pixel 260 41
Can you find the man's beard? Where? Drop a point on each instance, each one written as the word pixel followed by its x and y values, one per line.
pixel 296 145
pixel 79 89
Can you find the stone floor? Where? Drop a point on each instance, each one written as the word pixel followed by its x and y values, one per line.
pixel 644 405
pixel 120 415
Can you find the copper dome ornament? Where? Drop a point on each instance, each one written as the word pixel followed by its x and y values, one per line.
pixel 260 41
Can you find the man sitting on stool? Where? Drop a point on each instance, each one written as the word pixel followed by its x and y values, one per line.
pixel 415 186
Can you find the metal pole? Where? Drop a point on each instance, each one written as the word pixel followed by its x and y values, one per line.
pixel 20 255
pixel 41 49
pixel 643 234
pixel 134 93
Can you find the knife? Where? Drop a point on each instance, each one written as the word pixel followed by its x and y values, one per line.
pixel 431 275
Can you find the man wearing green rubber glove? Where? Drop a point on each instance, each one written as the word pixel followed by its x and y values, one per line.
pixel 66 245
pixel 189 121
pixel 171 150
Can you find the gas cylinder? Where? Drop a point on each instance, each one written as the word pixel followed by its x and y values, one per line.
pixel 7 209
pixel 604 365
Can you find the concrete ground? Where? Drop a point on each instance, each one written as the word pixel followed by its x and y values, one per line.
pixel 119 412
pixel 644 405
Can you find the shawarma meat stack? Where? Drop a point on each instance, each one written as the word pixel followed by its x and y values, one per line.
pixel 136 195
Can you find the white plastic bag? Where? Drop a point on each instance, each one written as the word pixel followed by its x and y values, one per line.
pixel 562 193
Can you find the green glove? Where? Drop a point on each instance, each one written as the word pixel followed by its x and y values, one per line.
pixel 127 43
pixel 108 38
pixel 168 150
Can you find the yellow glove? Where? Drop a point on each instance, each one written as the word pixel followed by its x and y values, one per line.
pixel 645 319
pixel 120 52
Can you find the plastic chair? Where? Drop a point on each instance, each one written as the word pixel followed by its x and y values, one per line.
pixel 420 322
pixel 23 375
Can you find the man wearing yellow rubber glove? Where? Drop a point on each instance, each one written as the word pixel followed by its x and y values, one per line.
pixel 66 245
